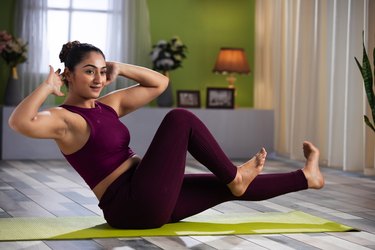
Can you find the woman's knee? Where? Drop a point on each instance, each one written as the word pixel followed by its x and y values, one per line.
pixel 179 112
pixel 179 116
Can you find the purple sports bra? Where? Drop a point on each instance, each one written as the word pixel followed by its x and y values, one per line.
pixel 107 147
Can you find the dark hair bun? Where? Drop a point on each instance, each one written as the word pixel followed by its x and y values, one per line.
pixel 66 48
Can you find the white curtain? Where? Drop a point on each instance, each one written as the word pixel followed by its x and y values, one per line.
pixel 128 34
pixel 31 26
pixel 305 71
pixel 128 38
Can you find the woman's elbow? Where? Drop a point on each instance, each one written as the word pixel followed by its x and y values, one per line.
pixel 13 124
pixel 18 125
pixel 164 84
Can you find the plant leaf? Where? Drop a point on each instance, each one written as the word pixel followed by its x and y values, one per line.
pixel 367 78
pixel 366 72
pixel 368 123
pixel 368 84
pixel 373 108
pixel 358 64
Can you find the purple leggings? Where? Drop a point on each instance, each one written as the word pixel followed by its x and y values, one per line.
pixel 157 191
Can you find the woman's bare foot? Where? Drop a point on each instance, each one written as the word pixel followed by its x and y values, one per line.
pixel 247 172
pixel 311 170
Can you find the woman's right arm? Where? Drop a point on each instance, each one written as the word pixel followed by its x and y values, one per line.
pixel 26 118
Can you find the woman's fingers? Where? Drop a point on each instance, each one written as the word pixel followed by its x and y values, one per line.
pixel 50 75
pixel 112 72
pixel 60 93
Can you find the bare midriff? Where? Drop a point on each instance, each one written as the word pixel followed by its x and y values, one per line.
pixel 102 186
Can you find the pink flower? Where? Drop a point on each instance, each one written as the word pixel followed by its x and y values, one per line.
pixel 2 46
pixel 4 36
pixel 12 50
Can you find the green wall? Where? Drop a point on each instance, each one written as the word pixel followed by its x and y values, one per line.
pixel 6 23
pixel 205 26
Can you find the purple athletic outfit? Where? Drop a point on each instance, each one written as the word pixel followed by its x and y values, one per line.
pixel 157 191
pixel 107 147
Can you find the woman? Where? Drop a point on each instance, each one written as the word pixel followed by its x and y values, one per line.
pixel 148 192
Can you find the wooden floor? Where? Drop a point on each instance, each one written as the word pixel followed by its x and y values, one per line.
pixel 52 188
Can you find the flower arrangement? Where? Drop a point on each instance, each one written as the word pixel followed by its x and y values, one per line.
pixel 168 55
pixel 12 50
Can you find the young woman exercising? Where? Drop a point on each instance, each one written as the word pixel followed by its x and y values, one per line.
pixel 152 191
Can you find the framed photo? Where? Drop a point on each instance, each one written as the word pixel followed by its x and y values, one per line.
pixel 220 98
pixel 188 99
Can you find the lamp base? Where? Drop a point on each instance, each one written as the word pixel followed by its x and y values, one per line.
pixel 231 80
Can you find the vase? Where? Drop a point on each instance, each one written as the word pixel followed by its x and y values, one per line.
pixel 166 98
pixel 13 95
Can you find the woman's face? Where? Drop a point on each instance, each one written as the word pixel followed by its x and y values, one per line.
pixel 89 76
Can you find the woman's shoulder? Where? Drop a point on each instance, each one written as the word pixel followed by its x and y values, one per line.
pixel 107 106
pixel 75 123
pixel 65 114
pixel 59 110
pixel 110 104
pixel 55 111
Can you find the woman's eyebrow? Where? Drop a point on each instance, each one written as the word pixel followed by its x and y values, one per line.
pixel 91 65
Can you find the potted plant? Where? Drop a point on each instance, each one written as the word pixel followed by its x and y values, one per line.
pixel 14 52
pixel 368 81
pixel 167 56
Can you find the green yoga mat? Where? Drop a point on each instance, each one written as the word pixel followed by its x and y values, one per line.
pixel 224 224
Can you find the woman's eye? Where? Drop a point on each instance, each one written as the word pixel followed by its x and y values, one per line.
pixel 103 73
pixel 90 72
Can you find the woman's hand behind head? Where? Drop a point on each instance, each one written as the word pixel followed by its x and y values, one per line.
pixel 54 81
pixel 112 72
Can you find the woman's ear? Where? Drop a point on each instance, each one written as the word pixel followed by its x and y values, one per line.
pixel 66 74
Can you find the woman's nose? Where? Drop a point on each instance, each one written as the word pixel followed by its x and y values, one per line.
pixel 97 78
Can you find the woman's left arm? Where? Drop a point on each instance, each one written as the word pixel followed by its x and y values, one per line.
pixel 150 85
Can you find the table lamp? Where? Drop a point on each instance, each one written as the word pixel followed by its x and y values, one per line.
pixel 230 61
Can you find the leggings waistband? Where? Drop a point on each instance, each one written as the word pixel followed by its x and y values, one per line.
pixel 112 189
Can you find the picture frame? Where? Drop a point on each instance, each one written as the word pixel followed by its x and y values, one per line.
pixel 220 98
pixel 188 99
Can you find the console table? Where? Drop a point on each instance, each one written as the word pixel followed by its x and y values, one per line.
pixel 240 132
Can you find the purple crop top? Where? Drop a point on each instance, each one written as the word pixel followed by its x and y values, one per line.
pixel 107 147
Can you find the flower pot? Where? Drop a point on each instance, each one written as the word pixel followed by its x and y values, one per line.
pixel 13 95
pixel 166 98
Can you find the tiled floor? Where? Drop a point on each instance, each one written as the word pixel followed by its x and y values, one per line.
pixel 52 188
